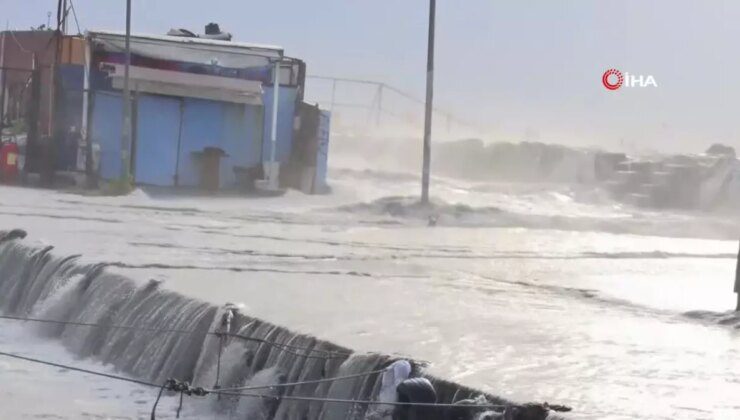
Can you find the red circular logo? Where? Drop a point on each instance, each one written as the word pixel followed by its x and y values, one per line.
pixel 612 74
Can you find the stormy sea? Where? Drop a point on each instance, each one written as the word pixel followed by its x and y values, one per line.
pixel 532 291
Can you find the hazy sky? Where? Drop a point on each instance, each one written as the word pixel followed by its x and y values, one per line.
pixel 526 69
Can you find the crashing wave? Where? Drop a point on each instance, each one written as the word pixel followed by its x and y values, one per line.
pixel 174 339
pixel 411 207
pixel 410 210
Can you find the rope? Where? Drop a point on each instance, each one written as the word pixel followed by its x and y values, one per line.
pixel 179 407
pixel 76 369
pixel 185 388
pixel 317 381
pixel 367 402
pixel 284 347
pixel 553 407
pixel 170 384
pixel 218 362
pixel 161 390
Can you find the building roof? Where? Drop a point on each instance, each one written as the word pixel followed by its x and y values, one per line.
pixel 166 46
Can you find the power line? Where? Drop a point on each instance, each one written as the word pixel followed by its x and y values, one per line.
pixel 449 116
pixel 62 14
pixel 74 14
pixel 20 46
pixel 24 50
pixel 344 79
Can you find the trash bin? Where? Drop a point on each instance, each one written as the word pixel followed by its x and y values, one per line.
pixel 209 164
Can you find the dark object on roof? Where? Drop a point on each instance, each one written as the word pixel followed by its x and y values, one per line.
pixel 213 31
pixel 718 149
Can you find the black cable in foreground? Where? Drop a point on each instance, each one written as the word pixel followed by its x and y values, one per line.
pixel 76 369
pixel 187 389
pixel 167 384
pixel 170 384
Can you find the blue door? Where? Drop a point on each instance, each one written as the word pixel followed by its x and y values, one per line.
pixel 157 136
pixel 171 131
pixel 240 138
pixel 233 128
pixel 202 125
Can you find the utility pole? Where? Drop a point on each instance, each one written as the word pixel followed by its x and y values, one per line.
pixel 737 282
pixel 2 79
pixel 428 109
pixel 64 17
pixel 126 128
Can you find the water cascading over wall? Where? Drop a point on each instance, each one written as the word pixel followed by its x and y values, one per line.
pixel 36 283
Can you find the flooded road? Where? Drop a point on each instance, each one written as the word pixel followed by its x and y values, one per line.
pixel 534 294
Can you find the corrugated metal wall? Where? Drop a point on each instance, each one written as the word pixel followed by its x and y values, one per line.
pixel 169 130
pixel 234 128
pixel 157 132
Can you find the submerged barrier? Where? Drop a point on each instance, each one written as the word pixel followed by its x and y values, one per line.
pixel 154 334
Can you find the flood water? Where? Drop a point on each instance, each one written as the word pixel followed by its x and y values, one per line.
pixel 534 293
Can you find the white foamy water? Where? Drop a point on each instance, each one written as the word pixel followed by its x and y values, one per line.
pixel 535 293
pixel 34 391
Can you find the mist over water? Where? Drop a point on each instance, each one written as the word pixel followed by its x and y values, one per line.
pixel 534 291
pixel 532 185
